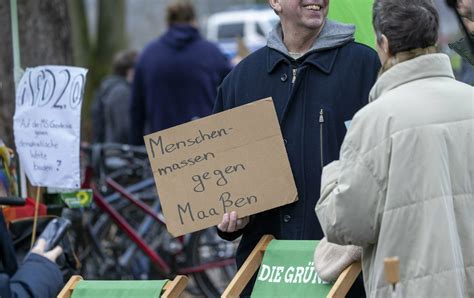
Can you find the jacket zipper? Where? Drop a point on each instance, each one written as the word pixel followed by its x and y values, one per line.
pixel 321 122
pixel 295 70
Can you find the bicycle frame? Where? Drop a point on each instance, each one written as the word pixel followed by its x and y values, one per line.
pixel 130 231
pixel 121 222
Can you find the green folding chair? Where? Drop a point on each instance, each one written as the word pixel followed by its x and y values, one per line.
pixel 76 287
pixel 287 270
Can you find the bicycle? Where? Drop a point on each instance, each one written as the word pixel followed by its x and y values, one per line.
pixel 111 241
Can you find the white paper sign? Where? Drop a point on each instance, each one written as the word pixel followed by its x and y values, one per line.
pixel 47 124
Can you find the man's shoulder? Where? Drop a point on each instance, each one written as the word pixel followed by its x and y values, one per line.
pixel 206 43
pixel 256 56
pixel 152 45
pixel 361 58
pixel 256 59
pixel 112 82
pixel 245 80
pixel 207 50
pixel 359 49
pixel 148 51
pixel 250 65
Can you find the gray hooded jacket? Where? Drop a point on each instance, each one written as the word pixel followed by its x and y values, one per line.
pixel 333 35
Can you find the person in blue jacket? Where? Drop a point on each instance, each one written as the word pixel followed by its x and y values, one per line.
pixel 318 77
pixel 38 276
pixel 176 77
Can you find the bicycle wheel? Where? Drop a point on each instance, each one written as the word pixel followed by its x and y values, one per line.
pixel 106 244
pixel 204 248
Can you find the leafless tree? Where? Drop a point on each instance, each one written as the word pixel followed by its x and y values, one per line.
pixel 57 32
pixel 45 38
pixel 94 48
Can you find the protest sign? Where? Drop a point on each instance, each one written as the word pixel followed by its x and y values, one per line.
pixel 231 161
pixel 47 124
pixel 287 270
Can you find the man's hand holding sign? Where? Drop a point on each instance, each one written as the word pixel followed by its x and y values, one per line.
pixel 210 170
pixel 231 223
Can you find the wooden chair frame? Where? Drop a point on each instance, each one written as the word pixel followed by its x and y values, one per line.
pixel 172 288
pixel 251 265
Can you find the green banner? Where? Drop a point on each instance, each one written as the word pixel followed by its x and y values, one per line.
pixel 119 289
pixel 77 199
pixel 358 13
pixel 287 270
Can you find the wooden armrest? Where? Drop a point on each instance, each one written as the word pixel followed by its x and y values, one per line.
pixel 248 269
pixel 66 292
pixel 175 287
pixel 345 281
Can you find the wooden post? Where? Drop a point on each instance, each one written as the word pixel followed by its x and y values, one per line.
pixel 392 271
pixel 17 73
pixel 35 218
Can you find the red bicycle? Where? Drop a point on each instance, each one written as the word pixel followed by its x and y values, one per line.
pixel 124 234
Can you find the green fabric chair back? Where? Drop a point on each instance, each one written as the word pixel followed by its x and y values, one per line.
pixel 287 270
pixel 119 289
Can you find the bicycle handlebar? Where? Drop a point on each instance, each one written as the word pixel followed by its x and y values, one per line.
pixel 125 148
pixel 12 201
pixel 115 160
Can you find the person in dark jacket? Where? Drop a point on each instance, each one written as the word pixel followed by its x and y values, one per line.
pixel 176 77
pixel 465 9
pixel 38 276
pixel 110 109
pixel 318 77
pixel 463 46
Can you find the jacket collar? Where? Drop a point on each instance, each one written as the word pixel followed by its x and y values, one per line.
pixel 323 60
pixel 321 54
pixel 426 66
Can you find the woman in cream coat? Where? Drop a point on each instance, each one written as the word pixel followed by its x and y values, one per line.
pixel 404 183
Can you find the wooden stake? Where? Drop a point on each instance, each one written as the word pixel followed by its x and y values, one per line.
pixel 35 219
pixel 392 270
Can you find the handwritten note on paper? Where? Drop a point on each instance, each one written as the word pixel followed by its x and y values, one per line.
pixel 231 161
pixel 47 124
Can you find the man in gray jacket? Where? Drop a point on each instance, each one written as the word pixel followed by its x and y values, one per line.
pixel 110 110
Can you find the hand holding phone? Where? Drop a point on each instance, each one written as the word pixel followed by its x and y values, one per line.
pixel 52 254
pixel 54 232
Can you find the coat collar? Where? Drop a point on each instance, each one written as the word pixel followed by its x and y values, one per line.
pixel 323 60
pixel 322 53
pixel 426 66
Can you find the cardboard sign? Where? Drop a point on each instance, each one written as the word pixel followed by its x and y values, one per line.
pixel 47 124
pixel 231 161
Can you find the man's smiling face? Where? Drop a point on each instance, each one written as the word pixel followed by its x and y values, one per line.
pixel 304 14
